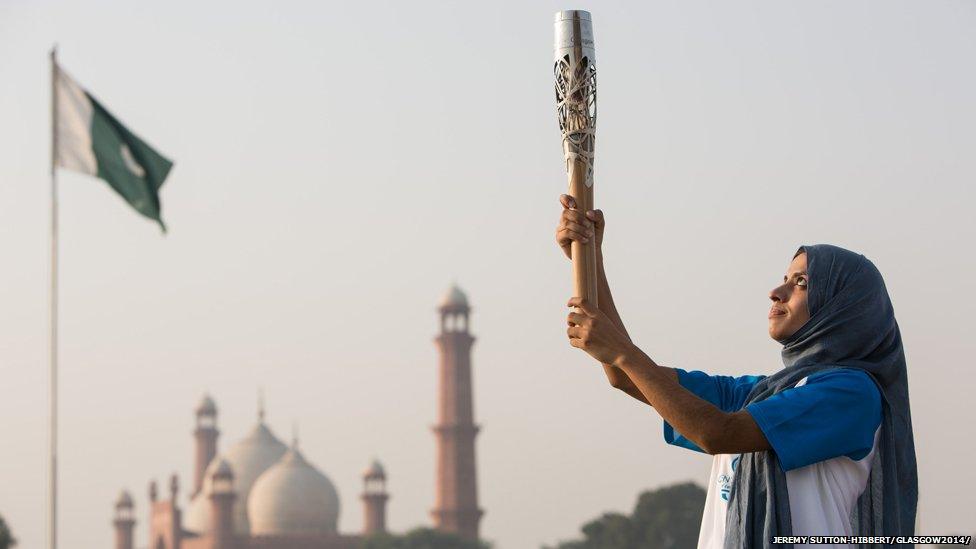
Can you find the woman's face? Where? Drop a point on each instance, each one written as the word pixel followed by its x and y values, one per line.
pixel 789 310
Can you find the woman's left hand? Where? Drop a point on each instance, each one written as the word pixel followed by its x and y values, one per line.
pixel 592 331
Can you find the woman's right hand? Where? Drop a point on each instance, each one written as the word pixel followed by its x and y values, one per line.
pixel 575 225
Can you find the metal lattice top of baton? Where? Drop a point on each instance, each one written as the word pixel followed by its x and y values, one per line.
pixel 575 72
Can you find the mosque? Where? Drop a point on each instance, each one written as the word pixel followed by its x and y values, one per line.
pixel 260 493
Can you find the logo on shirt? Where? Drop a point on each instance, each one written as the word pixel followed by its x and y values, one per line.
pixel 725 481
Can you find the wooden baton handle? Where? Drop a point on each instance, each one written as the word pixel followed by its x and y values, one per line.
pixel 584 255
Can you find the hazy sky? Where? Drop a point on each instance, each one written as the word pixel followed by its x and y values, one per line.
pixel 339 164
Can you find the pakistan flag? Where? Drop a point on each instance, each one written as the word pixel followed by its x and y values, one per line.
pixel 89 140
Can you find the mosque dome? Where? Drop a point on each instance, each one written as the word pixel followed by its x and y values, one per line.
pixel 196 518
pixel 293 498
pixel 375 470
pixel 206 406
pixel 247 459
pixel 454 298
pixel 125 499
pixel 223 470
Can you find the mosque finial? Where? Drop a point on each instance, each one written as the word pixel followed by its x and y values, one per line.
pixel 294 435
pixel 261 404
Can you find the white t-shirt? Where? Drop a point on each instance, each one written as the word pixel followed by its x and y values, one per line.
pixel 827 460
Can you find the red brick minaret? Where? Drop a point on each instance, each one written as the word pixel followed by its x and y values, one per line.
pixel 222 507
pixel 206 441
pixel 124 521
pixel 374 499
pixel 456 509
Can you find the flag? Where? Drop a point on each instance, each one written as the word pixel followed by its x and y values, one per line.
pixel 91 141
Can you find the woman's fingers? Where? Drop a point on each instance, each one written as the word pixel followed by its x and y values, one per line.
pixel 576 228
pixel 576 319
pixel 565 236
pixel 583 305
pixel 576 216
pixel 574 225
pixel 596 217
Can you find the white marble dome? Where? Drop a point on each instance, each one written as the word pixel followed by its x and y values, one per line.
pixel 292 498
pixel 248 459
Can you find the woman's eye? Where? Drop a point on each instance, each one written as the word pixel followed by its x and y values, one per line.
pixel 802 282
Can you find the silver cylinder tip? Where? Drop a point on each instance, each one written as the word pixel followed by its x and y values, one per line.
pixel 574 35
pixel 573 14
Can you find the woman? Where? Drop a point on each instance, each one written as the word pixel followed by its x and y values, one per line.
pixel 823 447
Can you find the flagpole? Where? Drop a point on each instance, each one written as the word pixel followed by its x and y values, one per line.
pixel 53 444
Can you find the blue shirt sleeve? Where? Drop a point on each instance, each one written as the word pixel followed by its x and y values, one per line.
pixel 725 392
pixel 836 413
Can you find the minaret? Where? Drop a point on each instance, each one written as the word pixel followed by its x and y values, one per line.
pixel 222 511
pixel 124 521
pixel 456 509
pixel 206 441
pixel 374 499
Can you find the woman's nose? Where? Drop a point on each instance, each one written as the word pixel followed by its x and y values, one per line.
pixel 777 294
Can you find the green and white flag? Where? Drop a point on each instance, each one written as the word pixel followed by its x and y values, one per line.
pixel 90 140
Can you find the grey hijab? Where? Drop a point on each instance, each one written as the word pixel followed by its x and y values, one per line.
pixel 852 325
